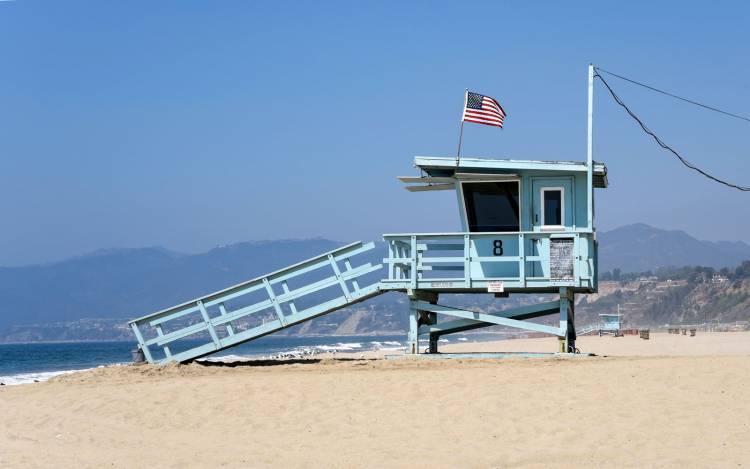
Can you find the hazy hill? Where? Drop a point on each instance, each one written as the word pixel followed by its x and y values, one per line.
pixel 674 296
pixel 126 283
pixel 640 247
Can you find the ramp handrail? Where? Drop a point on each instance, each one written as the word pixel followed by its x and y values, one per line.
pixel 587 329
pixel 211 314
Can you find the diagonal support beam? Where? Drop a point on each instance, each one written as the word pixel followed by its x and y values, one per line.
pixel 520 313
pixel 483 317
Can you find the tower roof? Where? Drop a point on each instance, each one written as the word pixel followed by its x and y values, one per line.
pixel 441 166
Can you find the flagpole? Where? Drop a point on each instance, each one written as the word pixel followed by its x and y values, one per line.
pixel 461 132
pixel 460 139
pixel 590 149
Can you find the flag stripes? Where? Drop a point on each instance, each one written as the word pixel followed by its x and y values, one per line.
pixel 482 109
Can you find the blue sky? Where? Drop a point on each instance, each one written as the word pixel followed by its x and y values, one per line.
pixel 190 124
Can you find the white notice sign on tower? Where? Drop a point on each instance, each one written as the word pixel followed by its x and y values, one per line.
pixel 495 286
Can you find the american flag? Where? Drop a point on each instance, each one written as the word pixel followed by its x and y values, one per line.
pixel 483 110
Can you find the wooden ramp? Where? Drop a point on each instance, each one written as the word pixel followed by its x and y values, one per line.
pixel 256 308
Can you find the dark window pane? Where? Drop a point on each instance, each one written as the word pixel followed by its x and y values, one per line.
pixel 492 206
pixel 553 207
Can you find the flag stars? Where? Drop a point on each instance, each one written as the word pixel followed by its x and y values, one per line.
pixel 474 101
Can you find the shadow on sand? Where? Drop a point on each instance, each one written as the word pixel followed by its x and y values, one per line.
pixel 270 362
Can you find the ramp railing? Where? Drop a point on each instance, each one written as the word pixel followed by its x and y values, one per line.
pixel 587 330
pixel 257 307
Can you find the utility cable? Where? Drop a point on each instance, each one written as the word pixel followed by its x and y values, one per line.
pixel 706 106
pixel 664 145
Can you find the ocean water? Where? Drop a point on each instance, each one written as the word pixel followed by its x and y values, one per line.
pixel 28 363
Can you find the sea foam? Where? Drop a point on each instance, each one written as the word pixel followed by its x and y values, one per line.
pixel 37 377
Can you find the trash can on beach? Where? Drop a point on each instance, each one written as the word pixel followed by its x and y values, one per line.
pixel 137 355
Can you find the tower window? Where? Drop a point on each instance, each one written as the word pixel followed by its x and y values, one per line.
pixel 553 206
pixel 491 206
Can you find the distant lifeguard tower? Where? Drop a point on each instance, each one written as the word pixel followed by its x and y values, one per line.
pixel 610 323
pixel 527 227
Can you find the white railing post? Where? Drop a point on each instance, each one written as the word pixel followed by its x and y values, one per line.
pixel 413 261
pixel 467 261
pixel 522 259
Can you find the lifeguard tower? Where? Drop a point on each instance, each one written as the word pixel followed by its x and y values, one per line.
pixel 527 227
pixel 610 323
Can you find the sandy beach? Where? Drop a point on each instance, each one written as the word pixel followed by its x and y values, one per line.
pixel 667 402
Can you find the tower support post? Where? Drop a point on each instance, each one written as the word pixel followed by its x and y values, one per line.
pixel 418 317
pixel 434 340
pixel 412 341
pixel 567 321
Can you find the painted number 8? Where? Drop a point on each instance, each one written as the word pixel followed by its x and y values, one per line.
pixel 497 246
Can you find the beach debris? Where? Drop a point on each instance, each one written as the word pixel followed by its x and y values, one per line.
pixel 137 355
pixel 296 354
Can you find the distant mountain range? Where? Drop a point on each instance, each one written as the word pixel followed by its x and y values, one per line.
pixel 640 247
pixel 126 283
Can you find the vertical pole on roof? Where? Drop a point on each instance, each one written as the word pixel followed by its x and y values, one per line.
pixel 590 150
pixel 461 132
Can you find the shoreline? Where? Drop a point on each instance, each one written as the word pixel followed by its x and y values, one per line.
pixel 465 343
pixel 42 373
pixel 133 341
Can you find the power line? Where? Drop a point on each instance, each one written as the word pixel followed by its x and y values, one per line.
pixel 705 106
pixel 664 145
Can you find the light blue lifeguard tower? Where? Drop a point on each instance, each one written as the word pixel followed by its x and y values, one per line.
pixel 527 227
pixel 611 323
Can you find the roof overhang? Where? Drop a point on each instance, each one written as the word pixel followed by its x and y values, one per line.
pixel 446 169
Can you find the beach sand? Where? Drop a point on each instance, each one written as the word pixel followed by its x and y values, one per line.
pixel 667 402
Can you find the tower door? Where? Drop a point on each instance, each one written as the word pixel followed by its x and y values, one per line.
pixel 553 206
pixel 552 209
